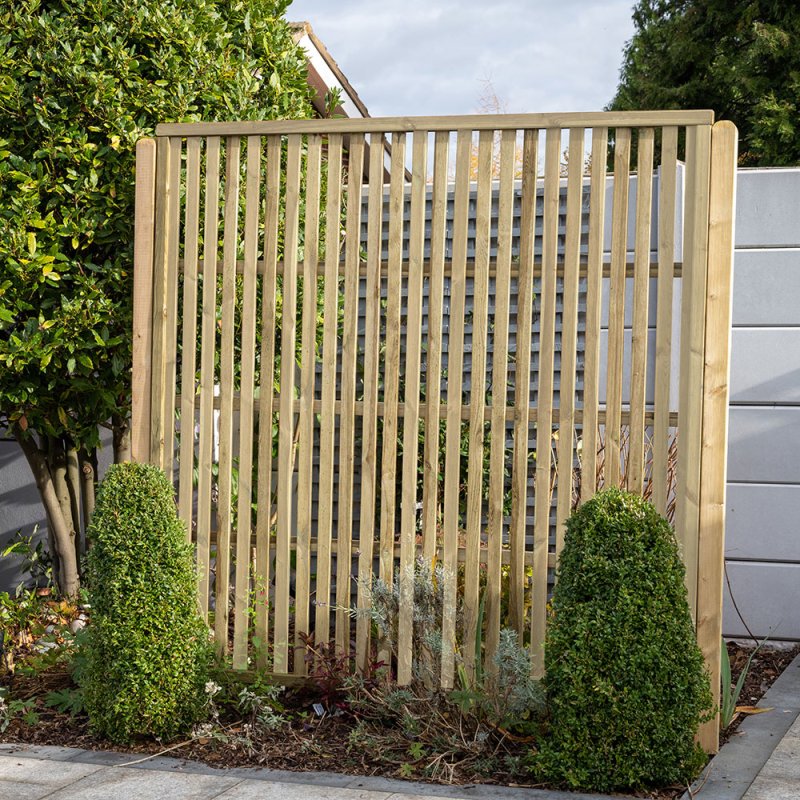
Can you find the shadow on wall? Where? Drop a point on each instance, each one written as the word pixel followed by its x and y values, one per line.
pixel 20 507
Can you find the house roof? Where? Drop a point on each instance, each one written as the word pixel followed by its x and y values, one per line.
pixel 324 75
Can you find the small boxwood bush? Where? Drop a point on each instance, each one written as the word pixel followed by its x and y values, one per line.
pixel 626 682
pixel 147 646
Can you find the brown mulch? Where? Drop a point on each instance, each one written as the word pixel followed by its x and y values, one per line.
pixel 327 743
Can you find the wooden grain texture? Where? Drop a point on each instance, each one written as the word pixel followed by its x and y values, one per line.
pixel 391 366
pixel 261 577
pixel 305 443
pixel 641 288
pixel 230 245
pixel 369 424
pixel 347 434
pixel 544 391
pixel 477 401
pixel 616 307
pixel 170 370
pixel 186 458
pixel 327 418
pixel 205 401
pixel 247 344
pixel 664 295
pixel 499 389
pixel 569 335
pixel 410 464
pixel 711 546
pixel 690 392
pixel 431 517
pixel 594 295
pixel 285 492
pixel 142 345
pixel 522 380
pixel 455 363
pixel 468 122
pixel 163 201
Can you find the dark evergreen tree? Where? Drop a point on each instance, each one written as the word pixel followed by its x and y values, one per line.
pixel 740 58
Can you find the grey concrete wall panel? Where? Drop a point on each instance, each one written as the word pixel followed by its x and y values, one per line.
pixel 766 286
pixel 20 508
pixel 768 597
pixel 767 208
pixel 762 522
pixel 764 445
pixel 765 365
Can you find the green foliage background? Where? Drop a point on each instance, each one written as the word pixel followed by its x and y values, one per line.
pixel 80 82
pixel 148 647
pixel 739 57
pixel 625 679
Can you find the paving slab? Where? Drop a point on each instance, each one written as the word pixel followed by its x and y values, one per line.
pixel 119 783
pixel 40 773
pixel 735 769
pixel 261 790
pixel 49 752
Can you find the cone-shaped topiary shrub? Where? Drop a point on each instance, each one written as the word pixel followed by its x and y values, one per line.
pixel 625 679
pixel 147 645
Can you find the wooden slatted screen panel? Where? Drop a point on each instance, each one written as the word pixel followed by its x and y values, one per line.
pixel 384 343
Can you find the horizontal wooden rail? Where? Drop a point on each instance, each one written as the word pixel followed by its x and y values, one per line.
pixel 470 122
pixel 506 555
pixel 320 269
pixel 465 411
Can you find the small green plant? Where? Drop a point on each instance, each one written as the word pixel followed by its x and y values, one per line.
pixel 729 694
pixel 626 682
pixel 148 647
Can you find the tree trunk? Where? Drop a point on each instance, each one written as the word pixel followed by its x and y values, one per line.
pixel 67 577
pixel 74 489
pixel 122 439
pixel 87 491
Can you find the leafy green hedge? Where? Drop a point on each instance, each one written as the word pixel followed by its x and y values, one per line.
pixel 148 647
pixel 625 679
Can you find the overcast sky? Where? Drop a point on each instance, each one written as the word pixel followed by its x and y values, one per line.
pixel 435 56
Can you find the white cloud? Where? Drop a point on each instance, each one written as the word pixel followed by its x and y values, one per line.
pixel 430 56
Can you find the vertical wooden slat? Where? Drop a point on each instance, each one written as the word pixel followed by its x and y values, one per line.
pixel 205 401
pixel 641 288
pixel 305 444
pixel 346 523
pixel 189 340
pixel 327 416
pixel 522 382
pixel 569 334
pixel 666 279
pixel 477 398
pixel 366 537
pixel 164 199
pixel 280 652
pixel 408 506
pixel 594 294
pixel 693 292
pixel 455 363
pixel 544 419
pixel 247 391
pixel 144 242
pixel 267 369
pixel 711 547
pixel 230 244
pixel 392 361
pixel 170 373
pixel 433 374
pixel 616 307
pixel 497 451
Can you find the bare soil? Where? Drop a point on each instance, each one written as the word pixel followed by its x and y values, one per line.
pixel 334 742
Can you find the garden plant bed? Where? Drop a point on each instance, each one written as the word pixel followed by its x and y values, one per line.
pixel 341 741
